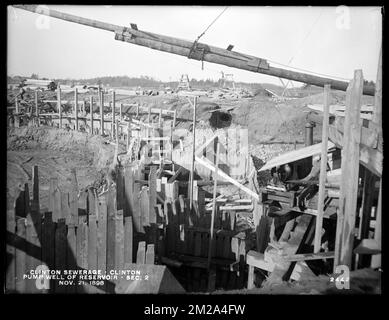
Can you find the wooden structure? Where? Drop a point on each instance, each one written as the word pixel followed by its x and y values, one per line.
pixel 355 194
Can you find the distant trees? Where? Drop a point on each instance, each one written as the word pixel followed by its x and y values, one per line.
pixel 34 76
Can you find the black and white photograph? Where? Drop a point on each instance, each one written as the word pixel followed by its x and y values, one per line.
pixel 193 150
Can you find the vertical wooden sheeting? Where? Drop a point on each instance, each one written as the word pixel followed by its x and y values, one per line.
pixel 82 247
pixel 71 254
pixel 11 252
pixel 59 105
pixel 323 170
pixel 193 155
pixel 377 119
pixel 35 102
pixel 76 108
pixel 16 105
pixel 152 194
pixel 377 114
pixel 174 118
pixel 150 254
pixel 376 259
pixel 141 254
pixel 128 235
pixel 350 167
pixel 113 116
pixel 101 98
pixel 212 275
pixel 92 242
pixel 111 209
pixel 48 240
pixel 20 256
pixel 91 114
pixel 102 236
pixel 119 240
pixel 60 252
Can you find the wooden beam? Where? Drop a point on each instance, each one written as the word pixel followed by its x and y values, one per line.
pixel 76 107
pixel 350 167
pixel 323 170
pixel 193 155
pixel 91 114
pixel 101 102
pixel 377 113
pixel 211 282
pixel 376 259
pixel 206 163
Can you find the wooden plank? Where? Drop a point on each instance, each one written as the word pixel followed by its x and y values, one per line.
pixel 140 255
pixel 20 255
pixel 128 240
pixel 377 113
pixel 71 255
pixel 150 254
pixel 76 108
pixel 101 103
pixel 136 210
pixel 152 194
pixel 48 241
pixel 376 259
pixel 60 252
pixel 11 252
pixel 323 170
pixel 309 256
pixel 350 166
pixel 119 240
pixel 191 177
pixel 102 235
pixel 128 191
pixel 120 189
pixel 82 244
pixel 33 253
pixel 91 114
pixel 224 176
pixel 144 206
pixel 111 236
pixel 295 155
pixel 92 242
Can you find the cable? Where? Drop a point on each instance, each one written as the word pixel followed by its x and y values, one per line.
pixel 198 38
pixel 311 72
pixel 306 36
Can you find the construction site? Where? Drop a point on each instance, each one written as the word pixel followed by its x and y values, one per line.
pixel 221 190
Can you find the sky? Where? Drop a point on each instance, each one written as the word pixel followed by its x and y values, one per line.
pixel 333 41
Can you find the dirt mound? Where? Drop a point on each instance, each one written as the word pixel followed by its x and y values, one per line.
pixel 99 153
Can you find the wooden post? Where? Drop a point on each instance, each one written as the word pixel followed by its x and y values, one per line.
pixel 377 113
pixel 193 155
pixel 376 259
pixel 350 167
pixel 76 108
pixel 59 106
pixel 121 112
pixel 113 116
pixel 16 105
pixel 160 118
pixel 137 111
pixel 101 97
pixel 91 114
pixel 35 100
pixel 149 115
pixel 323 169
pixel 174 118
pixel 211 278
